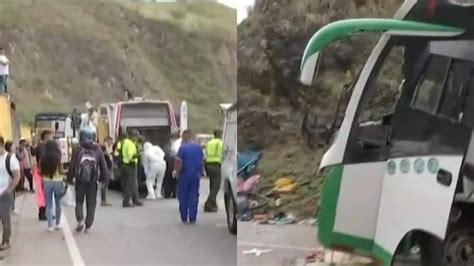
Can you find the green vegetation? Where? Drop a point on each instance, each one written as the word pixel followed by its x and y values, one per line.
pixel 272 101
pixel 63 55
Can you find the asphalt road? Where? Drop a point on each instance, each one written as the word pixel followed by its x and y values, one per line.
pixel 286 244
pixel 148 235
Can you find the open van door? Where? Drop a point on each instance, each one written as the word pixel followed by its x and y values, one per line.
pixel 183 119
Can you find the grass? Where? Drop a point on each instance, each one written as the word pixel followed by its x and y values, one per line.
pixel 82 52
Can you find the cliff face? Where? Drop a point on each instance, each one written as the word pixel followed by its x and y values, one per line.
pixel 272 102
pixel 66 54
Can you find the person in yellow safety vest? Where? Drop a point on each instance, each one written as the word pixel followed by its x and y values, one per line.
pixel 129 164
pixel 118 147
pixel 213 152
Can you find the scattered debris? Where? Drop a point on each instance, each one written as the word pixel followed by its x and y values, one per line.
pixel 323 256
pixel 256 252
pixel 280 219
pixel 318 255
pixel 260 217
pixel 309 222
pixel 246 217
pixel 284 185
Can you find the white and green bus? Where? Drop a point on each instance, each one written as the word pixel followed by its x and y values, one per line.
pixel 399 172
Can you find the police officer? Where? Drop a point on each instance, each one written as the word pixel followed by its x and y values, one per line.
pixel 213 151
pixel 129 153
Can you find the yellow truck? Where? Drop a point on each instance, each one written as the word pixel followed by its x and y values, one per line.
pixel 9 124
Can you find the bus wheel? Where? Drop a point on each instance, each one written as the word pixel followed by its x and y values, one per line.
pixel 459 247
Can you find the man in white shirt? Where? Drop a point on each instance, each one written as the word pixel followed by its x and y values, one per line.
pixel 92 116
pixel 4 71
pixel 9 178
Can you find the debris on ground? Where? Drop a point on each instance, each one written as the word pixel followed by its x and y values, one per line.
pixel 260 217
pixel 246 217
pixel 284 185
pixel 280 219
pixel 308 222
pixel 321 256
pixel 256 252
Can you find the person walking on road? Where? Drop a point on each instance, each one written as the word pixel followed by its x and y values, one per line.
pixel 87 167
pixel 21 155
pixel 155 168
pixel 51 174
pixel 129 163
pixel 187 169
pixel 38 151
pixel 25 150
pixel 9 178
pixel 104 186
pixel 10 149
pixel 213 169
pixel 4 71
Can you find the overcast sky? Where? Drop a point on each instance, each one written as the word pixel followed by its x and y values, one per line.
pixel 240 5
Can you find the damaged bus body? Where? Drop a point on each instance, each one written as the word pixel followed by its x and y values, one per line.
pixel 400 171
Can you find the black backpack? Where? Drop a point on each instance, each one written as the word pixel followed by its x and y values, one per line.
pixel 87 169
pixel 7 164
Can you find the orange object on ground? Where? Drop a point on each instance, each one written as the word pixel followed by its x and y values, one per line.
pixel 38 188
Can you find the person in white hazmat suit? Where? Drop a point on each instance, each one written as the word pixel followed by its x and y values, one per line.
pixel 154 165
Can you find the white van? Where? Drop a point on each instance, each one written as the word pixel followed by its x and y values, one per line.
pixel 229 166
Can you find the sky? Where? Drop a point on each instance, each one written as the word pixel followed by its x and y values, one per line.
pixel 240 5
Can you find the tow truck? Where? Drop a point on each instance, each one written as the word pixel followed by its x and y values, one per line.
pixel 64 131
pixel 399 171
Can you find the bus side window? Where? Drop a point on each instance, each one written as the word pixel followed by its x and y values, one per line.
pixel 430 86
pixel 454 94
pixel 468 110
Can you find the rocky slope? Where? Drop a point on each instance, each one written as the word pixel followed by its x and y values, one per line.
pixel 272 102
pixel 65 54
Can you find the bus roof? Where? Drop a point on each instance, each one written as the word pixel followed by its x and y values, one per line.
pixel 51 116
pixel 424 18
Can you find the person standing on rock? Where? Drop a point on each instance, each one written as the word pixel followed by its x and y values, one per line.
pixel 9 178
pixel 4 71
pixel 187 169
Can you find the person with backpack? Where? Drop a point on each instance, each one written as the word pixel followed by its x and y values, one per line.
pixel 9 179
pixel 87 168
pixel 10 149
pixel 51 174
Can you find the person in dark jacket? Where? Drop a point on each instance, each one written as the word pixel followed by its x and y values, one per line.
pixel 36 151
pixel 104 187
pixel 86 168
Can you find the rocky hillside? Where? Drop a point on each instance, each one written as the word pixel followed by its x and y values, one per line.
pixel 63 55
pixel 272 102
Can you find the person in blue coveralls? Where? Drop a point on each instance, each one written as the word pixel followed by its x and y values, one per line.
pixel 188 167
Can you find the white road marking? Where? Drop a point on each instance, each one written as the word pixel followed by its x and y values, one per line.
pixel 71 243
pixel 254 244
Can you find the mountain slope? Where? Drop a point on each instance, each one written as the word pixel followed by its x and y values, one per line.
pixel 272 101
pixel 63 55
